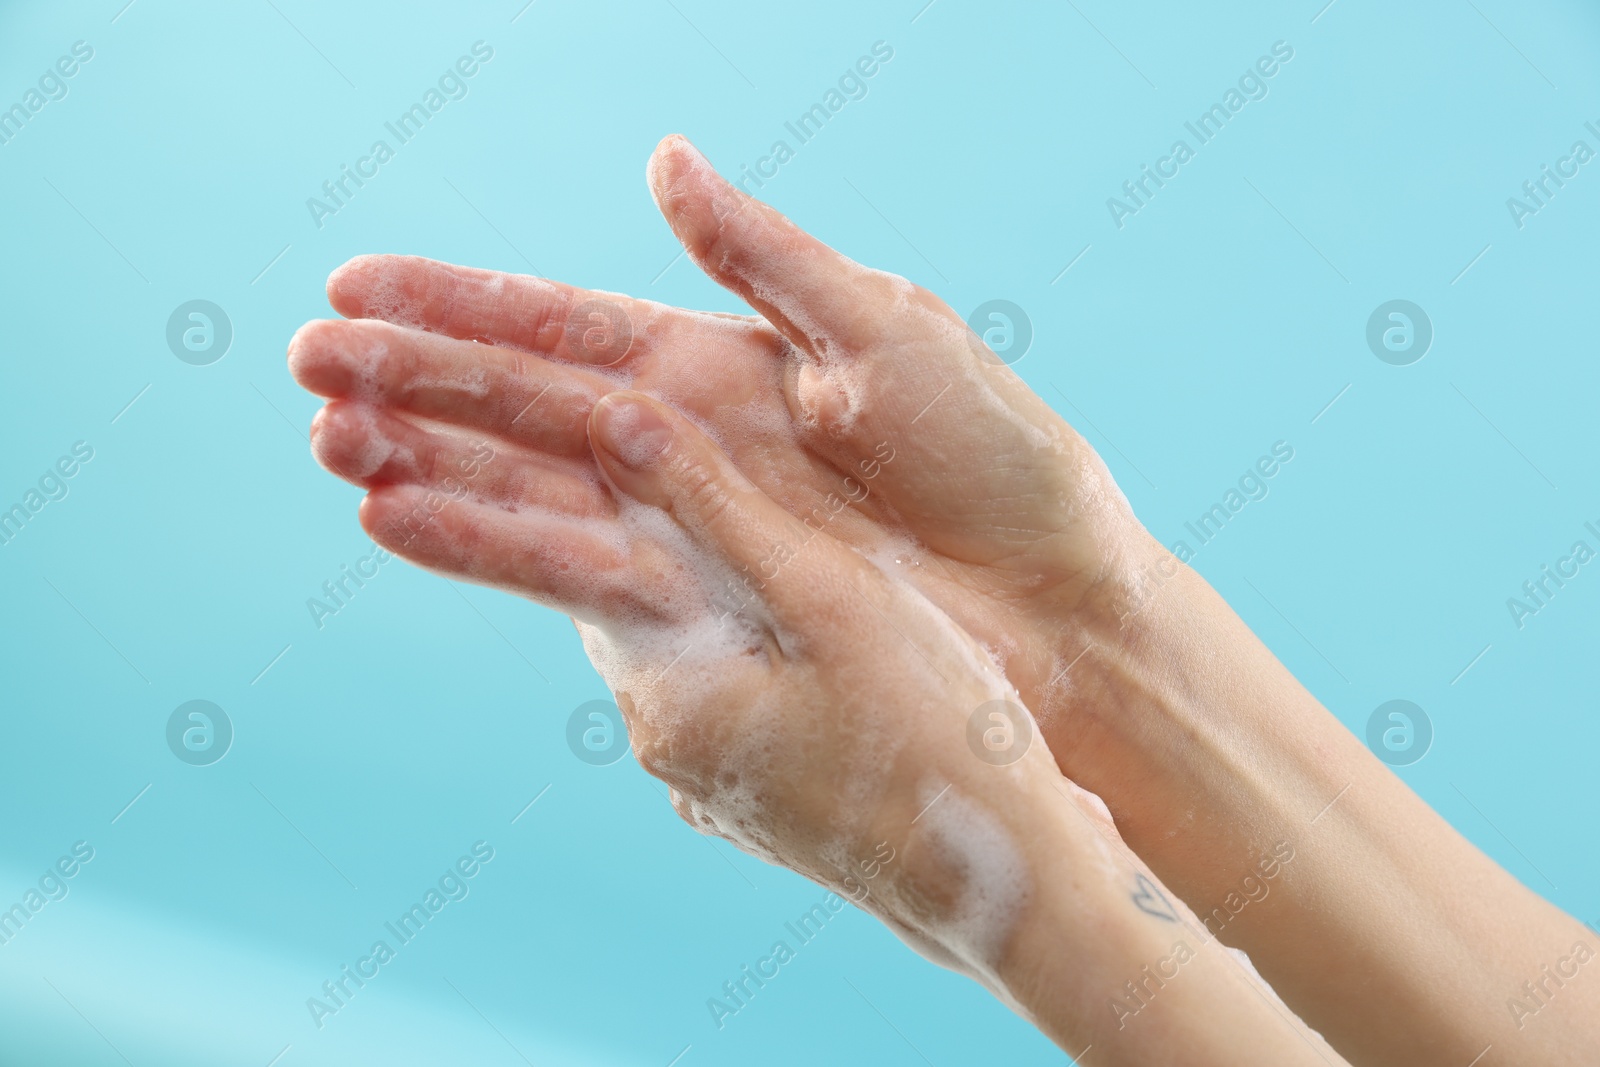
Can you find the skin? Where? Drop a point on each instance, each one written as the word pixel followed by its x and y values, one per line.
pixel 857 692
pixel 861 404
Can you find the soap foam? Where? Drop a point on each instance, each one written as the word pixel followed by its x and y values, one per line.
pixel 674 670
pixel 471 382
pixel 995 881
pixel 361 352
pixel 672 665
pixel 377 448
pixel 382 297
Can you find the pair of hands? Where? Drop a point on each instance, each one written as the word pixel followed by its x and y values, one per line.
pixel 804 548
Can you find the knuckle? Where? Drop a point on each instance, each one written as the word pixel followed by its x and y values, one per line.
pixel 703 494
pixel 547 320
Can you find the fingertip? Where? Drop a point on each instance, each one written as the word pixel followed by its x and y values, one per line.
pixel 631 429
pixel 403 515
pixel 663 150
pixel 311 357
pixel 334 435
pixel 382 514
pixel 690 194
pixel 367 514
pixel 673 153
pixel 303 348
pixel 799 284
pixel 349 280
pixel 356 441
pixel 380 505
pixel 370 282
pixel 319 425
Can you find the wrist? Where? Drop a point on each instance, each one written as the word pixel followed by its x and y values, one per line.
pixel 1166 704
pixel 1105 957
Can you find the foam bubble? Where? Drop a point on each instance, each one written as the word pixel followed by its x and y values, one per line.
pixel 386 299
pixel 995 880
pixel 471 382
pixel 377 448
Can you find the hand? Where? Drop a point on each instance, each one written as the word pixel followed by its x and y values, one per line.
pixel 817 715
pixel 859 402
pixel 819 709
pixel 831 709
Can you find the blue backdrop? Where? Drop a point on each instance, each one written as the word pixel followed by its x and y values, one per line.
pixel 162 152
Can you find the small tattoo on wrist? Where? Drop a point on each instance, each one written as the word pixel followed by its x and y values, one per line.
pixel 1151 900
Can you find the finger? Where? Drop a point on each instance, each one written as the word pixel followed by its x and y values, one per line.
pixel 819 298
pixel 580 569
pixel 654 455
pixel 485 387
pixel 370 447
pixel 527 313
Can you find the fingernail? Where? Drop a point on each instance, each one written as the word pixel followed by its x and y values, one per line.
pixel 631 430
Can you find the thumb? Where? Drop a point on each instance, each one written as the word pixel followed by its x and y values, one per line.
pixel 818 298
pixel 654 455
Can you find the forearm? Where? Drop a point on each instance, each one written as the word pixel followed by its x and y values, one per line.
pixel 1385 929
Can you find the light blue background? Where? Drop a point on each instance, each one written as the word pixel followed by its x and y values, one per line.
pixel 1224 317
